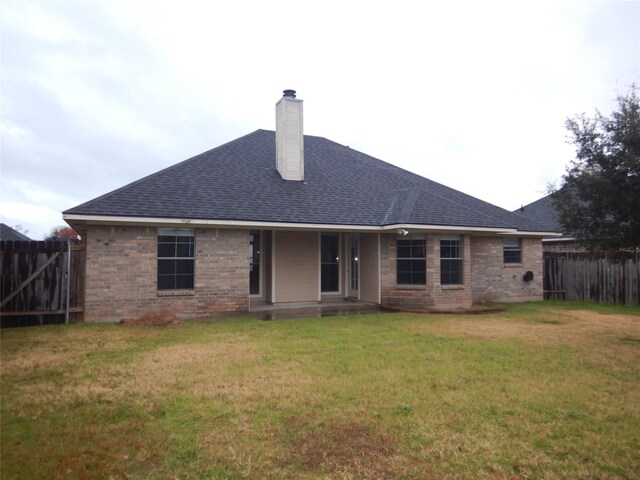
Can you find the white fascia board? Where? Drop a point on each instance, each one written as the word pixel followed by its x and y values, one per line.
pixel 119 220
pixel 115 220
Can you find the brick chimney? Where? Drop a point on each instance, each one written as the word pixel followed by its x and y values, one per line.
pixel 289 137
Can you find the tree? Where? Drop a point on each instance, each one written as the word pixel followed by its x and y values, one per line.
pixel 598 202
pixel 63 231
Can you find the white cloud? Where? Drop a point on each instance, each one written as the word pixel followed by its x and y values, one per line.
pixel 37 219
pixel 474 95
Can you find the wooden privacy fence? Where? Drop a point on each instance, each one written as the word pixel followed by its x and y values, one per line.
pixel 583 276
pixel 41 283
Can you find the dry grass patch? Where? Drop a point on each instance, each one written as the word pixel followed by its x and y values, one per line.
pixel 153 319
pixel 338 448
pixel 46 352
pixel 553 327
pixel 193 368
pixel 230 367
pixel 233 368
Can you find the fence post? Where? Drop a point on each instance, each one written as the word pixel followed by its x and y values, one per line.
pixel 68 283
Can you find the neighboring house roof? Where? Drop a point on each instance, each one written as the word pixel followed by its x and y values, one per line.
pixel 8 233
pixel 541 211
pixel 238 181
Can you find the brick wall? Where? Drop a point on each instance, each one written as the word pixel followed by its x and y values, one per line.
pixel 452 296
pixel 122 267
pixel 390 292
pixel 485 276
pixel 495 281
pixel 121 280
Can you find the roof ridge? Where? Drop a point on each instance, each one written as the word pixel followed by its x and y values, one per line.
pixel 486 215
pixel 407 210
pixel 459 205
pixel 405 214
pixel 390 217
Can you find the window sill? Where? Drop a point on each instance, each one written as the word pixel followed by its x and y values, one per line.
pixel 411 287
pixel 176 293
pixel 452 287
pixel 512 265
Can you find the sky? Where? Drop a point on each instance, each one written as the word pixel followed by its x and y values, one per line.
pixel 474 95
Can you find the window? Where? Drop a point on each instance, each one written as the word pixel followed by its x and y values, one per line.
pixel 176 258
pixel 450 261
pixel 329 262
pixel 411 253
pixel 511 250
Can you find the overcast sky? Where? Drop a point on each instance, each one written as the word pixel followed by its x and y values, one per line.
pixel 96 94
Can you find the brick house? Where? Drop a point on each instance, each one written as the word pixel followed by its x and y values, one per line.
pixel 282 217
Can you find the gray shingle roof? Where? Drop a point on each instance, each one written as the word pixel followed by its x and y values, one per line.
pixel 239 181
pixel 8 233
pixel 541 211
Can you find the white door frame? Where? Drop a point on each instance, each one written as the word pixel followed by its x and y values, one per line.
pixel 260 293
pixel 352 277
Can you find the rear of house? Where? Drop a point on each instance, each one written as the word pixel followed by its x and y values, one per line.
pixel 283 217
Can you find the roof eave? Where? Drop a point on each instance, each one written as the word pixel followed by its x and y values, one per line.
pixel 81 219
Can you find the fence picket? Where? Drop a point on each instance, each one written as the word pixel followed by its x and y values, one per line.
pixel 582 276
pixel 32 285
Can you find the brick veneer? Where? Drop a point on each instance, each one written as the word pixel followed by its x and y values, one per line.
pixel 495 281
pixel 390 292
pixel 122 268
pixel 431 295
pixel 452 296
pixel 485 276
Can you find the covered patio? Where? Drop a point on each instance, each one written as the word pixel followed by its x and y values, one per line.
pixel 313 266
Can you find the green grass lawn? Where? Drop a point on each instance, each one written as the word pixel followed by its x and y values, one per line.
pixel 543 390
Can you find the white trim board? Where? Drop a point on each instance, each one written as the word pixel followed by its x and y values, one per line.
pixel 194 222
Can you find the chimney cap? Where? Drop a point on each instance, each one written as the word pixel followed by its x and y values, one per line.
pixel 289 94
